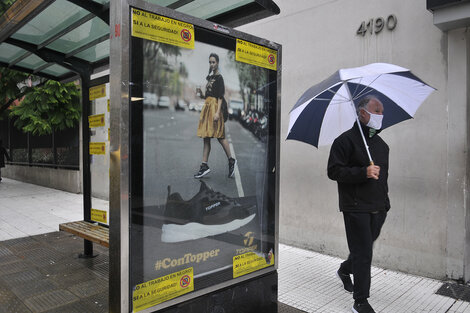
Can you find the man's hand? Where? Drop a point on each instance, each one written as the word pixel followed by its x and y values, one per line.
pixel 373 171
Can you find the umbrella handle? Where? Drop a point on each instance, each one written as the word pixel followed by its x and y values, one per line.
pixel 372 163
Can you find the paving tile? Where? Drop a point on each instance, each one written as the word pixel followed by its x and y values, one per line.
pixel 20 278
pixel 89 288
pixel 13 267
pixel 74 307
pixel 60 282
pixel 33 288
pixel 97 303
pixel 14 305
pixel 50 300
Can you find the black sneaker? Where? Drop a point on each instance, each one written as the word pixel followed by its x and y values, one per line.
pixel 231 167
pixel 362 308
pixel 346 280
pixel 203 171
pixel 208 213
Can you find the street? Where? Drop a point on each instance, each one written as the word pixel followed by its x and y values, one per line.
pixel 173 154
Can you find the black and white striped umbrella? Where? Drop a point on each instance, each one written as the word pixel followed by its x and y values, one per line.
pixel 327 109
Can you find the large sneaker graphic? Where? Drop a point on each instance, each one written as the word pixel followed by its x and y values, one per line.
pixel 208 213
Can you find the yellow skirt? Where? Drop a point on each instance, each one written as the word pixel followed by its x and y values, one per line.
pixel 207 127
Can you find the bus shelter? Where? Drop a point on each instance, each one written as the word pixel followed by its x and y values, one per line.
pixel 139 122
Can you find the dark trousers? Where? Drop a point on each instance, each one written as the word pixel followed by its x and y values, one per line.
pixel 362 229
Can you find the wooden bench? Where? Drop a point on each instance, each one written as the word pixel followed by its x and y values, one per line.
pixel 88 231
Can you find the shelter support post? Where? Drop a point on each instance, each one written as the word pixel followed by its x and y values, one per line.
pixel 87 245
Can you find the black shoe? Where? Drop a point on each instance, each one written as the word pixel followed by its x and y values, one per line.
pixel 346 280
pixel 362 308
pixel 203 171
pixel 208 213
pixel 231 167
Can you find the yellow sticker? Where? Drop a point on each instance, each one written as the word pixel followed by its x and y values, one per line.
pixel 99 216
pixel 250 262
pixel 162 289
pixel 96 120
pixel 162 29
pixel 108 105
pixel 97 92
pixel 97 148
pixel 254 54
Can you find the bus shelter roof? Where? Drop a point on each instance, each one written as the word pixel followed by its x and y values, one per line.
pixel 60 39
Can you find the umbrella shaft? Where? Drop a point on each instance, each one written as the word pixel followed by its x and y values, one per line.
pixel 358 123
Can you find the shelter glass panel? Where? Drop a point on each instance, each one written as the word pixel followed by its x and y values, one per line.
pixel 162 3
pixel 55 70
pixel 32 62
pixel 9 52
pixel 80 36
pixel 203 149
pixel 95 53
pixel 56 17
pixel 208 8
pixel 99 153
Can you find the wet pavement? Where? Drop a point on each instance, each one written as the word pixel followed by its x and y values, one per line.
pixel 40 270
pixel 43 273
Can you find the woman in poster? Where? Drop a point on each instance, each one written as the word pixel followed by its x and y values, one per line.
pixel 211 122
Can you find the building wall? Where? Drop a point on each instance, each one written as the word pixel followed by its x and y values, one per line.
pixel 67 180
pixel 427 154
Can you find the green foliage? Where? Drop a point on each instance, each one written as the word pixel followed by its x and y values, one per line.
pixel 250 78
pixel 10 83
pixel 157 69
pixel 51 106
pixel 45 107
pixel 4 5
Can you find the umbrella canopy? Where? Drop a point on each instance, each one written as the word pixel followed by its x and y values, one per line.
pixel 328 109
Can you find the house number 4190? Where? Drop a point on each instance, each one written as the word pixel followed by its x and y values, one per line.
pixel 377 25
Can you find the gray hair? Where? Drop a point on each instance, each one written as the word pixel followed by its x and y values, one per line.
pixel 364 102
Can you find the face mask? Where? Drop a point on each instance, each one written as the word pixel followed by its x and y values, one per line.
pixel 375 120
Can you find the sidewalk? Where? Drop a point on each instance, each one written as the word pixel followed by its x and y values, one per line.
pixel 306 279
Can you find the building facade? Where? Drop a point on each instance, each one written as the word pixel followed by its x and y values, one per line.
pixel 427 231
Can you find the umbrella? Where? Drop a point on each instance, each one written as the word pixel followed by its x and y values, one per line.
pixel 327 109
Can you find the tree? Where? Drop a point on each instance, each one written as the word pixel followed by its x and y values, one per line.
pixel 41 109
pixel 157 68
pixel 4 5
pixel 12 87
pixel 53 106
pixel 251 78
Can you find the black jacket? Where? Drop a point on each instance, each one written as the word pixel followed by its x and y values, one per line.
pixel 3 154
pixel 348 164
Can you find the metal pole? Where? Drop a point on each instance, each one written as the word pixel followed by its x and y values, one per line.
pixel 87 245
pixel 54 149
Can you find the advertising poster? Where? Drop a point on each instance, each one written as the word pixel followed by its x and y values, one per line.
pixel 203 189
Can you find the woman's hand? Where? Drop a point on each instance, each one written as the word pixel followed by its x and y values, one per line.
pixel 216 116
pixel 199 92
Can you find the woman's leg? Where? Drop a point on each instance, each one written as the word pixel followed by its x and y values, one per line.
pixel 204 169
pixel 206 149
pixel 224 143
pixel 231 161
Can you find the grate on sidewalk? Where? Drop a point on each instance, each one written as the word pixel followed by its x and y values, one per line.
pixel 455 291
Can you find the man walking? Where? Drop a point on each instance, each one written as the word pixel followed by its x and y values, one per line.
pixel 3 154
pixel 363 196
